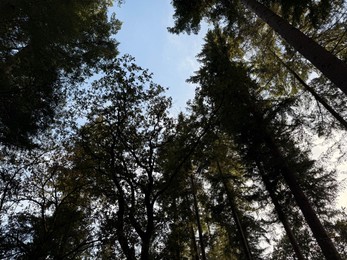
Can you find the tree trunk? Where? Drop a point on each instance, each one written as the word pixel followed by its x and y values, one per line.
pixel 197 217
pixel 235 214
pixel 145 247
pixel 121 235
pixel 304 204
pixel 177 249
pixel 147 236
pixel 193 247
pixel 332 67
pixel 281 215
pixel 321 100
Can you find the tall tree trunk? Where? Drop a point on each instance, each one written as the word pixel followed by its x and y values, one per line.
pixel 193 247
pixel 302 201
pixel 236 218
pixel 281 215
pixel 321 100
pixel 177 248
pixel 332 67
pixel 145 247
pixel 197 217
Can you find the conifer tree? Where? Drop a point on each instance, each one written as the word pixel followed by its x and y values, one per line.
pixel 188 16
pixel 257 135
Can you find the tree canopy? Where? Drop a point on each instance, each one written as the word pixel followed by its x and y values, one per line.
pixel 45 47
pixel 101 168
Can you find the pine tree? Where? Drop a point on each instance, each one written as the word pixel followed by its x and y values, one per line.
pixel 188 16
pixel 244 116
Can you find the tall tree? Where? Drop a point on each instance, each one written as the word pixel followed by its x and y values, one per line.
pixel 219 225
pixel 310 250
pixel 188 16
pixel 197 215
pixel 127 118
pixel 46 47
pixel 271 189
pixel 319 99
pixel 248 119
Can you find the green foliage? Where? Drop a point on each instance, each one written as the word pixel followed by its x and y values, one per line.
pixel 133 183
pixel 317 11
pixel 51 218
pixel 45 46
pixel 261 136
pixel 258 42
pixel 335 223
pixel 117 151
pixel 189 15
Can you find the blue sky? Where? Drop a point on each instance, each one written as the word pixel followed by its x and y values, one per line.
pixel 171 58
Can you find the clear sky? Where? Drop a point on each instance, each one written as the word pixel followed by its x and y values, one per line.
pixel 171 58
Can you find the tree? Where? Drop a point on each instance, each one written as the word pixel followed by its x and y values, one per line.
pixel 319 99
pixel 335 226
pixel 284 80
pixel 228 178
pixel 220 219
pixel 255 128
pixel 117 150
pixel 197 215
pixel 49 218
pixel 46 48
pixel 189 14
pixel 181 191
